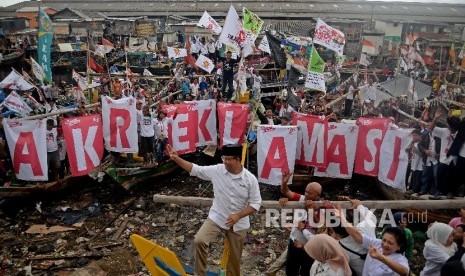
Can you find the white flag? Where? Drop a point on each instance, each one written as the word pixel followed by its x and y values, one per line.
pixel 264 46
pixel 176 52
pixel 233 34
pixel 209 23
pixel 205 63
pixel 81 82
pixel 329 37
pixel 315 81
pixel 364 59
pixel 241 76
pixel 37 70
pixel 14 103
pixel 15 81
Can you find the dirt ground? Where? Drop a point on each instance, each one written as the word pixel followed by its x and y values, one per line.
pixel 103 216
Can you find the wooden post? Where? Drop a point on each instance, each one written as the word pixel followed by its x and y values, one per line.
pixel 372 204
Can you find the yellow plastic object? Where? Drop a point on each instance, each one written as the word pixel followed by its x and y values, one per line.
pixel 244 97
pixel 225 255
pixel 148 250
pixel 244 152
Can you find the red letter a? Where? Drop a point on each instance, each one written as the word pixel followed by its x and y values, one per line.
pixel 277 147
pixel 26 140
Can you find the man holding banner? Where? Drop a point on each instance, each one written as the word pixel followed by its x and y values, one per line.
pixel 237 196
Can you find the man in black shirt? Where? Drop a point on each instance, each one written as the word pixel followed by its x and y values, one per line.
pixel 228 75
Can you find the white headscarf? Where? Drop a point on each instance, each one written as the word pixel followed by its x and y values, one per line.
pixel 438 234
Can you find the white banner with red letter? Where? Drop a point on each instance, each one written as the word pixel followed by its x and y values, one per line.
pixel 232 120
pixel 120 124
pixel 28 148
pixel 84 143
pixel 329 37
pixel 370 135
pixel 183 127
pixel 14 103
pixel 205 110
pixel 276 152
pixel 342 140
pixel 393 159
pixel 312 140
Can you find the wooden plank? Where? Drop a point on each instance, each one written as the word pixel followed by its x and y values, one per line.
pixel 372 204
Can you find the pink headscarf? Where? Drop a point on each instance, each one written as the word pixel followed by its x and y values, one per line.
pixel 323 248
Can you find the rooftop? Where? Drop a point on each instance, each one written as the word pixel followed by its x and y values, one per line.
pixel 271 9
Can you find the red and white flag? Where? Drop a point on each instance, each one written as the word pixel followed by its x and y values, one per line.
pixel 120 124
pixel 205 111
pixel 80 80
pixel 393 159
pixel 232 120
pixel 15 81
pixel 209 23
pixel 205 63
pixel 409 39
pixel 105 48
pixel 430 52
pixel 329 37
pixel 182 127
pixel 368 47
pixel 276 152
pixel 312 140
pixel 414 55
pixel 84 143
pixel 370 135
pixel 14 103
pixel 342 141
pixel 28 148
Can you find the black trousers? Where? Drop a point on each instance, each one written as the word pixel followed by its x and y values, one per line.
pixel 228 82
pixel 298 262
pixel 348 107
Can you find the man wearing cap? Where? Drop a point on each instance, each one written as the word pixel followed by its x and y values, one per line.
pixel 236 196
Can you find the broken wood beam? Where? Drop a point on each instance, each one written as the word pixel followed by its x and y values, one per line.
pixel 372 204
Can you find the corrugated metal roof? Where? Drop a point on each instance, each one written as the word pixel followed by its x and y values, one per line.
pixel 386 11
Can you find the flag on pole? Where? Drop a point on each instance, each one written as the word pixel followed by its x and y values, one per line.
pixel 264 46
pixel 209 23
pixel 95 66
pixel 15 81
pixel 316 64
pixel 205 63
pixel 241 76
pixel 252 25
pixel 364 59
pixel 368 47
pixel 45 43
pixel 462 56
pixel 14 103
pixel 176 52
pixel 329 37
pixel 37 70
pixel 315 79
pixel 233 34
pixel 409 39
pixel 25 75
pixel 81 82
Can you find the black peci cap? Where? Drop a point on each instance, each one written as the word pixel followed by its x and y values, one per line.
pixel 231 150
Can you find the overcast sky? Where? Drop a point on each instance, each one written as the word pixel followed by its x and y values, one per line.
pixel 4 3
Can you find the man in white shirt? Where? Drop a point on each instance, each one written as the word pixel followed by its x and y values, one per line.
pixel 446 162
pixel 237 196
pixel 53 155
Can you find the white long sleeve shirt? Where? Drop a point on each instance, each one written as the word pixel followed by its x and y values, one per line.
pixel 232 193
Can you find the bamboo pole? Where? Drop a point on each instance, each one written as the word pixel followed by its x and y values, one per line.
pixel 372 204
pixel 164 98
pixel 408 115
pixel 461 105
pixel 59 112
pixel 143 77
pixel 335 101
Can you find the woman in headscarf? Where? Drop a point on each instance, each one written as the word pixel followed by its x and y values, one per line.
pixel 438 248
pixel 385 256
pixel 330 258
